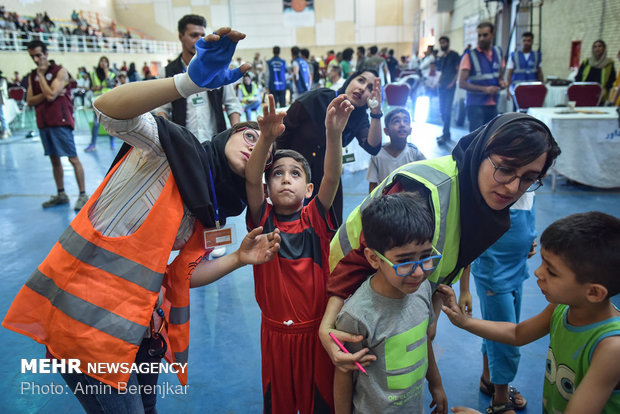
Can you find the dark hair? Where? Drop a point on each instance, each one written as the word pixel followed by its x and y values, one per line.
pixel 528 34
pixel 391 52
pixel 589 244
pixel 486 24
pixel 347 54
pixel 287 153
pixel 33 44
pixel 305 53
pixel 524 141
pixel 601 42
pixel 276 50
pixel 393 112
pixel 373 50
pixel 336 68
pixel 394 220
pixel 246 124
pixel 361 49
pixel 446 38
pixel 295 51
pixel 355 75
pixel 100 73
pixel 191 19
pixel 331 52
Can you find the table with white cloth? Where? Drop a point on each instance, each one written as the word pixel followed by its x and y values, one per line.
pixel 590 142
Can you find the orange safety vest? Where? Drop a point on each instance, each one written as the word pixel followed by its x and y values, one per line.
pixel 92 298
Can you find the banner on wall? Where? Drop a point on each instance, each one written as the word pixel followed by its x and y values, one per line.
pixel 298 13
pixel 470 34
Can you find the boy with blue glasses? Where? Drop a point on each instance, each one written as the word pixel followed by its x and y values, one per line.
pixel 392 311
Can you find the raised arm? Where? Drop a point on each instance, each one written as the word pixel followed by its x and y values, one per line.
pixel 504 332
pixel 208 70
pixel 336 119
pixel 271 127
pixel 374 132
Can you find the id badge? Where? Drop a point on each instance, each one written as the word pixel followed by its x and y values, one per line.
pixel 220 237
pixel 198 100
pixel 348 158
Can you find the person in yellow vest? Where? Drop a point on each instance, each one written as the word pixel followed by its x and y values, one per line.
pixel 105 293
pixel 614 95
pixel 249 96
pixel 470 193
pixel 102 80
pixel 598 68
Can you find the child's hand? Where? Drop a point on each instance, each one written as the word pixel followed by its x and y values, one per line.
pixel 270 123
pixel 440 401
pixel 450 306
pixel 338 113
pixel 257 248
pixel 209 66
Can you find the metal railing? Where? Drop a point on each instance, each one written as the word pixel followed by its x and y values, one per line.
pixel 58 42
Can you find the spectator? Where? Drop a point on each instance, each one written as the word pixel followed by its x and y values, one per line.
pixel 392 65
pixel 334 75
pixel 277 77
pixel 5 132
pixel 301 73
pixel 132 73
pixel 345 64
pixel 598 68
pixel 250 96
pixel 523 65
pixel 102 80
pixel 360 56
pixel 448 65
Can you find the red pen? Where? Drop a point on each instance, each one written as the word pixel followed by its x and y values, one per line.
pixel 346 351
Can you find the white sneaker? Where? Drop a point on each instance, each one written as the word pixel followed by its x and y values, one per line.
pixel 218 252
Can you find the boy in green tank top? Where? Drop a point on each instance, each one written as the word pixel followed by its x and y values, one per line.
pixel 578 276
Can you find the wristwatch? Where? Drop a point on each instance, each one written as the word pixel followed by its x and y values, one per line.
pixel 376 116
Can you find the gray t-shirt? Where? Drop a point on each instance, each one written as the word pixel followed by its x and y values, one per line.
pixel 395 331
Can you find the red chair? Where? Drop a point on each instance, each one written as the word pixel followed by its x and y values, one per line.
pixel 396 94
pixel 529 94
pixel 585 93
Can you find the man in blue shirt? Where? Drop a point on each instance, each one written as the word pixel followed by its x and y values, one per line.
pixel 277 77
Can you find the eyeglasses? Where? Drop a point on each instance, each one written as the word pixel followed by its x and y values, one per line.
pixel 408 268
pixel 250 136
pixel 505 175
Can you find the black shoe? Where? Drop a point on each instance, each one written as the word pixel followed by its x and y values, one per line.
pixel 442 140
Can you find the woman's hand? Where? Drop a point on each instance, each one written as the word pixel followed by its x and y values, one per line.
pixel 270 123
pixel 465 302
pixel 337 115
pixel 343 361
pixel 257 248
pixel 376 96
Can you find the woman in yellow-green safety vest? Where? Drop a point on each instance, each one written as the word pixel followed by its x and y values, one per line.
pixel 598 68
pixel 250 97
pixel 102 80
pixel 469 192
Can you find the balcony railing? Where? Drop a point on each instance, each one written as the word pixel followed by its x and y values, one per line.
pixel 58 42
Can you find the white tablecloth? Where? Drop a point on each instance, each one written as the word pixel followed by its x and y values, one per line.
pixel 590 143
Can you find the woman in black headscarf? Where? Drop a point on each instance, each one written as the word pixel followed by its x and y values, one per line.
pixel 106 291
pixel 305 124
pixel 469 192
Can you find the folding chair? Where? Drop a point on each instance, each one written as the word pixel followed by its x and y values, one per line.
pixel 396 94
pixel 585 93
pixel 529 95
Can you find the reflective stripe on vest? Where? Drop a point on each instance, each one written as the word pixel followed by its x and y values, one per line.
pixel 476 64
pixel 523 71
pixel 439 176
pixel 92 298
pixel 605 73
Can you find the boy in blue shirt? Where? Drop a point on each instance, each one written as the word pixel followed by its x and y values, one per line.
pixel 578 276
pixel 392 311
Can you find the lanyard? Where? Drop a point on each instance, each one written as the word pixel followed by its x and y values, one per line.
pixel 217 214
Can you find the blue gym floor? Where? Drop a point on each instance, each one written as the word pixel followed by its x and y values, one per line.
pixel 224 375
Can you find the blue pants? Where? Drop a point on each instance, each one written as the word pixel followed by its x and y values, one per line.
pixel 252 106
pixel 480 115
pixel 500 307
pixel 110 401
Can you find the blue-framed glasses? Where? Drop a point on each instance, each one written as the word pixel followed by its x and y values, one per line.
pixel 408 268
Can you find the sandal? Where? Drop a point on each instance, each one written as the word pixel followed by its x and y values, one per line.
pixel 487 387
pixel 513 393
pixel 500 408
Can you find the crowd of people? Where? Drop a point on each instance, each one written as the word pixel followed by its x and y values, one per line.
pixel 425 225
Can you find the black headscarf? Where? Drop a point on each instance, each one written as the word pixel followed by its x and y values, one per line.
pixel 481 226
pixel 192 165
